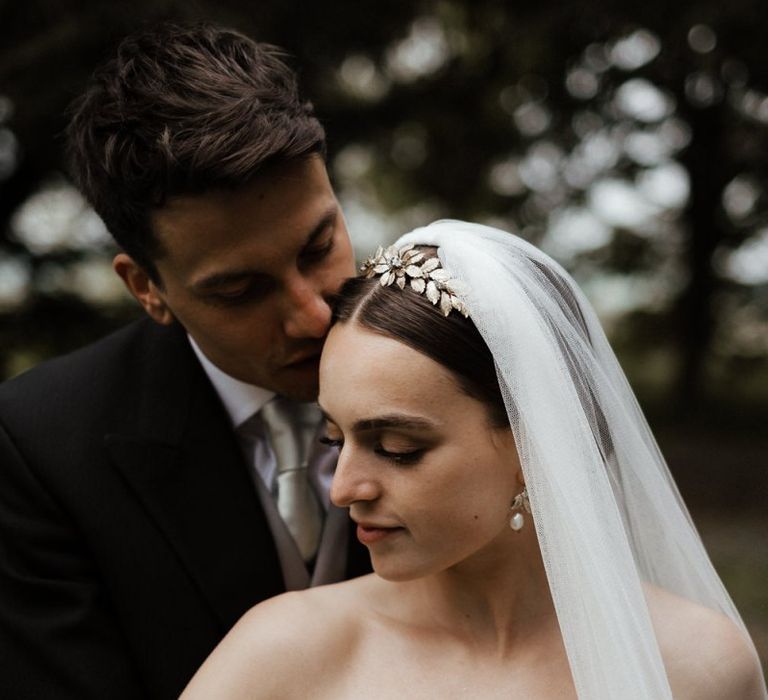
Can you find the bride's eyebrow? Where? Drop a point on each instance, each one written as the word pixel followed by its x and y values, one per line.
pixel 392 420
pixel 389 420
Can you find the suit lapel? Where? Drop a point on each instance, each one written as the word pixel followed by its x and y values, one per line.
pixel 183 463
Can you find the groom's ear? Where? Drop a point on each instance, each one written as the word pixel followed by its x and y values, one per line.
pixel 141 286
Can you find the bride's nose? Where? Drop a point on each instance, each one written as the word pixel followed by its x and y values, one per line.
pixel 353 482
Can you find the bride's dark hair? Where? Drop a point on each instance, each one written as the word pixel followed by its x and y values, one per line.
pixel 452 341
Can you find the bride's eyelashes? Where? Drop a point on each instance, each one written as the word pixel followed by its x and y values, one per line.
pixel 401 458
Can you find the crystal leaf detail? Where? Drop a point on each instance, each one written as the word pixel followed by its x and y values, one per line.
pixel 399 265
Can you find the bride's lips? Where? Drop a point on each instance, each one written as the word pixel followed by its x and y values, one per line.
pixel 368 533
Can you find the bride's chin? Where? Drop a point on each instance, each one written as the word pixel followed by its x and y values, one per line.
pixel 397 572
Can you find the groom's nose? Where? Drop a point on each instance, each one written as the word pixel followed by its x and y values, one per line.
pixel 306 314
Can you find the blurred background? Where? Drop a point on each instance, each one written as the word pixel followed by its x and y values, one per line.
pixel 631 144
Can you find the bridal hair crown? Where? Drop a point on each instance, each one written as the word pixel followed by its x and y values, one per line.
pixel 426 276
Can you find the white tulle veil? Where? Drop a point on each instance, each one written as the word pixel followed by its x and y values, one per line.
pixel 607 514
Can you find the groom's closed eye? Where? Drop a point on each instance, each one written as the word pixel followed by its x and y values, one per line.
pixel 251 288
pixel 321 241
pixel 317 252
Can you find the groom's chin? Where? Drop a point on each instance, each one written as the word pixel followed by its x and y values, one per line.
pixel 299 381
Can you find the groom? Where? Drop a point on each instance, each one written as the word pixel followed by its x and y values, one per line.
pixel 138 476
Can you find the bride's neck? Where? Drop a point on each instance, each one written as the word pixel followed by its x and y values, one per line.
pixel 494 598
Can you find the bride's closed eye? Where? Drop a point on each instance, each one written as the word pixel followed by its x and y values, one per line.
pixel 409 457
pixel 398 457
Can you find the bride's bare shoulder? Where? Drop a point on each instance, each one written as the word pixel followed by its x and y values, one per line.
pixel 705 653
pixel 307 631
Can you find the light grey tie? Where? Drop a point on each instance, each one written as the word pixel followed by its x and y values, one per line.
pixel 291 429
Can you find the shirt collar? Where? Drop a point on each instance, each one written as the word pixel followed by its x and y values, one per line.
pixel 241 400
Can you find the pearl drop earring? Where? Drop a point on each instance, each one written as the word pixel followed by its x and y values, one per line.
pixel 520 504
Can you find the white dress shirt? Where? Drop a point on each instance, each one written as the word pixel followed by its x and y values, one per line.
pixel 241 401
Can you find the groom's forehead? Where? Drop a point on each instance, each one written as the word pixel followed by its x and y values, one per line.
pixel 277 212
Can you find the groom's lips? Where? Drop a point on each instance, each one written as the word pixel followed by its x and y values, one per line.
pixel 305 361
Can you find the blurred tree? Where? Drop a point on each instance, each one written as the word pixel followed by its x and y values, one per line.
pixel 624 141
pixel 628 142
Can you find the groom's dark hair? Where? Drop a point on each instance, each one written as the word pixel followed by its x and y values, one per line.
pixel 452 341
pixel 182 110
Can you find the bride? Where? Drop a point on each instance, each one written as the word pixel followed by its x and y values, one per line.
pixel 527 538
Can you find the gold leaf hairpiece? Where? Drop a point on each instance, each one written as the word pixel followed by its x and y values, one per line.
pixel 400 266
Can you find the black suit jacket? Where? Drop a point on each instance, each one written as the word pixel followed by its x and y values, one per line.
pixel 131 536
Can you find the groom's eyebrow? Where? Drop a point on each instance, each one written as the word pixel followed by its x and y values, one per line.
pixel 221 279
